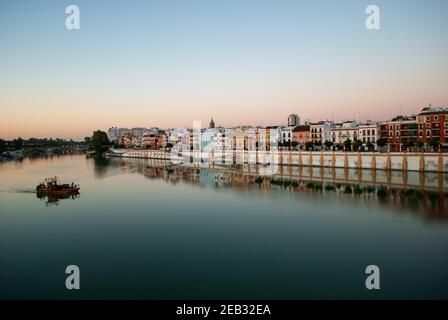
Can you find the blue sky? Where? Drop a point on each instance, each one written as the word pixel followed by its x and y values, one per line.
pixel 167 63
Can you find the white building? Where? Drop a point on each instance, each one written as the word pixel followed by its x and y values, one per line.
pixel 286 134
pixel 113 134
pixel 321 131
pixel 368 133
pixel 343 131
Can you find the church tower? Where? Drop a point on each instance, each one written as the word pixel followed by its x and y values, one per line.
pixel 212 124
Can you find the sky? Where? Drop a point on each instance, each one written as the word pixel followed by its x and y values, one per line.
pixel 166 63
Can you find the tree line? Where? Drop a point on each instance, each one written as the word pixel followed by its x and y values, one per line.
pixel 355 145
pixel 19 143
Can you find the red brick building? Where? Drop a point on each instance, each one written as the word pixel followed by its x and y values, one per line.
pixel 433 125
pixel 401 133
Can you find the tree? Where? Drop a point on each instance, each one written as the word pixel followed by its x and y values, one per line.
pixel 18 143
pixel 369 146
pixel 420 145
pixel 328 144
pixel 381 142
pixel 339 147
pixel 309 145
pixel 434 143
pixel 169 145
pixel 99 142
pixel 357 144
pixel 318 144
pixel 294 145
pixel 2 144
pixel 348 145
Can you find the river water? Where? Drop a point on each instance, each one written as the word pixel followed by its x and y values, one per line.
pixel 141 229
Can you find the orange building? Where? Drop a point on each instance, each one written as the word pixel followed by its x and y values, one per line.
pixel 301 135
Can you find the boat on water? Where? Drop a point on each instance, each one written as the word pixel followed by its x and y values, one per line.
pixel 51 186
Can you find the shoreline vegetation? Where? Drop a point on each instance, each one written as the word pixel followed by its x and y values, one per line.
pixel 18 148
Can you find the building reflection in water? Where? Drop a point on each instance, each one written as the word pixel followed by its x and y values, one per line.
pixel 421 193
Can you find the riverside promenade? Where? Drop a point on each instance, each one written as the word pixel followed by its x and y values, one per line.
pixel 388 161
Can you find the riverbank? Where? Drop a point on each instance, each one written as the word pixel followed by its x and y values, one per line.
pixel 390 161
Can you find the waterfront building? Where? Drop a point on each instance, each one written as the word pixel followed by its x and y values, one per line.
pixel 150 141
pixel 368 133
pixel 137 142
pixel 347 130
pixel 321 131
pixel 401 133
pixel 113 134
pixel 138 132
pixel 286 134
pixel 175 136
pixel 301 135
pixel 126 140
pixel 273 134
pixel 433 126
pixel 293 120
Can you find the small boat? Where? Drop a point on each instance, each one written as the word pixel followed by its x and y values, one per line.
pixel 51 186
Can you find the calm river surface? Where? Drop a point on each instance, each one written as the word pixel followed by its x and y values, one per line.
pixel 142 230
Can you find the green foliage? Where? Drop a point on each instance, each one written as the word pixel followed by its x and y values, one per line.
pixel 328 144
pixel 434 143
pixel 357 144
pixel 99 142
pixel 382 193
pixel 309 145
pixel 348 190
pixel 381 142
pixel 358 191
pixel 348 145
pixel 35 143
pixel 2 144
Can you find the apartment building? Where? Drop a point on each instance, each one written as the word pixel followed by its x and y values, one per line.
pixel 344 131
pixel 433 125
pixel 368 133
